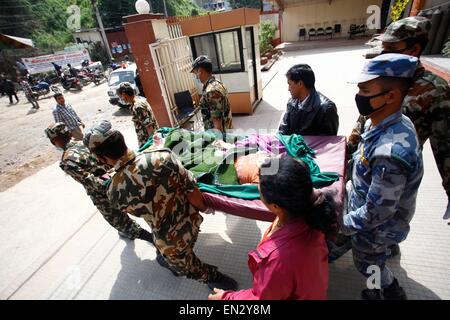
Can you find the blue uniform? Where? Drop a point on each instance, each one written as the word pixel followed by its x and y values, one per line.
pixel 386 176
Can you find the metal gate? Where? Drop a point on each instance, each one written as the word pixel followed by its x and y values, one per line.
pixel 173 62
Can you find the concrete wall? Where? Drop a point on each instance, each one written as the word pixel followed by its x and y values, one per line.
pixel 324 14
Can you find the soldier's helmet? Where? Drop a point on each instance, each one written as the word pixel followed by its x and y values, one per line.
pixel 201 62
pixel 99 133
pixel 388 65
pixel 407 28
pixel 55 130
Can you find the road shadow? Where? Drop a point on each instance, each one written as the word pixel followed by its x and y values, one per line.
pixel 123 112
pixel 243 231
pixel 32 111
pixel 143 278
pixel 133 274
pixel 346 283
pixel 414 289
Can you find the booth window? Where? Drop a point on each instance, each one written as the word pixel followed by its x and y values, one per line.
pixel 223 48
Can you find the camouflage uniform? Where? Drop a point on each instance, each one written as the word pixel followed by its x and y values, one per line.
pixel 427 103
pixel 81 165
pixel 387 172
pixel 214 104
pixel 143 118
pixel 154 185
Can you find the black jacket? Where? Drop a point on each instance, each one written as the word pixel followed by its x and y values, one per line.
pixel 318 117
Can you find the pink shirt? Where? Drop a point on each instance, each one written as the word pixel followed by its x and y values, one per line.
pixel 292 264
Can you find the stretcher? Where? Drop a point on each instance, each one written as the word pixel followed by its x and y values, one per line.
pixel 330 156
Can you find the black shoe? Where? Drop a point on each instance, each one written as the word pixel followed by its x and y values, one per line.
pixel 395 250
pixel 394 292
pixel 163 263
pixel 371 294
pixel 222 281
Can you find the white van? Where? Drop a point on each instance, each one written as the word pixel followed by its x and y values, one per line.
pixel 116 78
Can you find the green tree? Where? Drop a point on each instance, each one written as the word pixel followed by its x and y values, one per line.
pixel 17 18
pixel 266 34
pixel 245 3
pixel 398 8
pixel 112 11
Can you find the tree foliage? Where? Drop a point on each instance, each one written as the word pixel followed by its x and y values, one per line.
pixel 112 11
pixel 245 3
pixel 398 8
pixel 44 21
pixel 266 34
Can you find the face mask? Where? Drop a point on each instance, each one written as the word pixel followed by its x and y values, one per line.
pixel 60 149
pixel 198 83
pixel 364 106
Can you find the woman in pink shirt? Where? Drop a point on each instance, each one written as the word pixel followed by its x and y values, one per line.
pixel 291 261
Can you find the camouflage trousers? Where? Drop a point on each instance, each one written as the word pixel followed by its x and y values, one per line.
pixel 181 257
pixel 117 219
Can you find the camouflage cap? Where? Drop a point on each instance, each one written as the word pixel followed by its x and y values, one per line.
pixel 98 134
pixel 201 61
pixel 388 65
pixel 411 27
pixel 55 130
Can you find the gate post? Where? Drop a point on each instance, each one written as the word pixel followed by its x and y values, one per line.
pixel 140 33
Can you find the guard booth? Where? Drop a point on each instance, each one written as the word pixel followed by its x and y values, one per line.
pixel 230 39
pixel 165 49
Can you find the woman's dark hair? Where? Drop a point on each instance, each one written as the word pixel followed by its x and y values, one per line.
pixel 302 72
pixel 291 189
pixel 114 147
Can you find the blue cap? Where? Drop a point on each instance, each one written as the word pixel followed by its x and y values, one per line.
pixel 388 65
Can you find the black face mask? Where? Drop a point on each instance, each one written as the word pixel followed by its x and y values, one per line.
pixel 364 106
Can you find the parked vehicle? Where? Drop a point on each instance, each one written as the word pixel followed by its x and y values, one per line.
pixel 85 76
pixel 55 89
pixel 40 89
pixel 71 82
pixel 116 78
pixel 98 77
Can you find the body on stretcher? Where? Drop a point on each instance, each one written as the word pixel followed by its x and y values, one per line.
pixel 330 156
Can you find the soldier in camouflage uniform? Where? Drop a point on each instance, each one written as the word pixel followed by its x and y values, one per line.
pixel 155 186
pixel 143 118
pixel 387 171
pixel 82 166
pixel 215 107
pixel 427 103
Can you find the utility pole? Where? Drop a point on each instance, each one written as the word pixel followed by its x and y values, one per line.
pixel 102 30
pixel 165 8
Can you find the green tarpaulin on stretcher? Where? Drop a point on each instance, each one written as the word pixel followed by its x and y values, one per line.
pixel 215 171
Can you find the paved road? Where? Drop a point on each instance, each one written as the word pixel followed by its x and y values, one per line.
pixel 24 149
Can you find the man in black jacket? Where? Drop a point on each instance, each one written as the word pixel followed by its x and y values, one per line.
pixel 308 111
